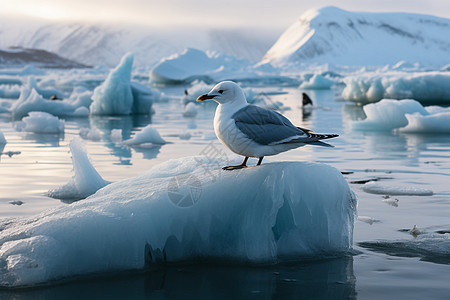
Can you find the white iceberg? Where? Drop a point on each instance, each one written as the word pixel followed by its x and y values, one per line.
pixel 114 96
pixel 118 95
pixel 86 180
pixel 191 64
pixel 148 135
pixel 405 116
pixel 195 65
pixel 317 82
pixel 40 122
pixel 425 87
pixel 180 212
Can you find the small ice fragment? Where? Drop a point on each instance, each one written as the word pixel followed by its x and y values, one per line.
pixel 190 110
pixel 185 136
pixel 16 202
pixel 415 231
pixel 116 136
pixel 368 220
pixel 147 135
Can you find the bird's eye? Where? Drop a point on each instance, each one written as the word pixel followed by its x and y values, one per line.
pixel 220 91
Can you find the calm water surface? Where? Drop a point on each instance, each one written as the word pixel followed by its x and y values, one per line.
pixel 400 265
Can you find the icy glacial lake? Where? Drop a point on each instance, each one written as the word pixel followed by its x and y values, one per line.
pixel 404 263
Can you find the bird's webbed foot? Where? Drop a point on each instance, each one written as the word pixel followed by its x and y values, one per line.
pixel 235 167
pixel 229 168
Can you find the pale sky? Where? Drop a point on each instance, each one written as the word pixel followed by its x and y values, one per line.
pixel 232 13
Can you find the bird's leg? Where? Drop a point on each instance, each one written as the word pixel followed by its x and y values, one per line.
pixel 260 160
pixel 243 165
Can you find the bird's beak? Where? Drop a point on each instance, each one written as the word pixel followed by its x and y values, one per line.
pixel 205 97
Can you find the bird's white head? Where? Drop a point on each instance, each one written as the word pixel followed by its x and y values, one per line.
pixel 225 92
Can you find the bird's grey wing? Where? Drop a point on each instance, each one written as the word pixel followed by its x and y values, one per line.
pixel 267 127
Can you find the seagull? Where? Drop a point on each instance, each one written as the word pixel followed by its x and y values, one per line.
pixel 252 131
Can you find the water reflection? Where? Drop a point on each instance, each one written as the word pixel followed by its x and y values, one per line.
pixel 49 139
pixel 326 279
pixel 127 124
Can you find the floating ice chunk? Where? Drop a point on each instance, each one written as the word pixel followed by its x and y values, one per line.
pixel 426 87
pixel 40 122
pixel 382 189
pixel 195 65
pixel 81 112
pixel 317 82
pixel 92 134
pixel 388 114
pixel 435 123
pixel 10 91
pixel 86 180
pixel 114 96
pixel 185 136
pixel 178 212
pixel 46 93
pixel 30 100
pixel 368 220
pixel 405 115
pixel 147 135
pixel 190 110
pixel 116 136
pixel 209 136
pixel 433 247
pixel 190 65
pixel 16 202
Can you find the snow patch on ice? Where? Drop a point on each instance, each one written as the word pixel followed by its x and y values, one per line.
pixel 86 180
pixel 256 215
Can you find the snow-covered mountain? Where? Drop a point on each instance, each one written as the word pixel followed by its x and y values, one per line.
pixel 335 36
pixel 96 44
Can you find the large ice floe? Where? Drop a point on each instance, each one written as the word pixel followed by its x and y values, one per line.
pixel 425 87
pixel 185 210
pixel 118 95
pixel 210 67
pixel 30 100
pixel 40 122
pixel 404 116
pixel 86 180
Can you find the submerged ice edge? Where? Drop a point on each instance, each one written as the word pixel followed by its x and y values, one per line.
pixel 258 215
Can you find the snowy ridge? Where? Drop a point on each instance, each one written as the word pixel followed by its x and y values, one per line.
pixel 105 44
pixel 185 210
pixel 335 36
